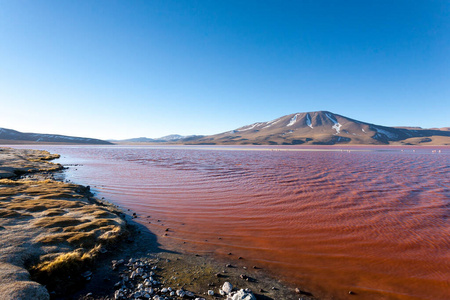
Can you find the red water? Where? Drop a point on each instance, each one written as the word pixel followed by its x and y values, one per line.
pixel 371 220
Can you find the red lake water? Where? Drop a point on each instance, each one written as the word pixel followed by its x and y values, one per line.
pixel 373 220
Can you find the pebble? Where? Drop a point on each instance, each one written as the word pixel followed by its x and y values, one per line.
pixel 227 287
pixel 139 281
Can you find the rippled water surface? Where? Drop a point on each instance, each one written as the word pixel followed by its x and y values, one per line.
pixel 372 220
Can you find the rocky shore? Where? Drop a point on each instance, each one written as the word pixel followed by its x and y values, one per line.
pixel 59 242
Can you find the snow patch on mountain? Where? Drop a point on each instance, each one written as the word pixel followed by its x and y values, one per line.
pixel 249 127
pixel 336 125
pixel 308 121
pixel 293 120
pixel 273 122
pixel 390 135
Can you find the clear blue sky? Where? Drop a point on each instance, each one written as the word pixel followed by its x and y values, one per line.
pixel 122 69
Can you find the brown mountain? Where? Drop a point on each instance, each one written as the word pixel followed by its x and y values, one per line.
pixel 324 128
pixel 9 136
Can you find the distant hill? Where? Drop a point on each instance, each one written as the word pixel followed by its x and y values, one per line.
pixel 324 128
pixel 9 136
pixel 176 138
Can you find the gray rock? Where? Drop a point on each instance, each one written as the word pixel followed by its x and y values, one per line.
pixel 227 287
pixel 241 295
pixel 181 293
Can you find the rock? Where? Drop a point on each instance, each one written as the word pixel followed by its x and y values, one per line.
pixel 210 292
pixel 241 295
pixel 227 287
pixel 133 274
pixel 297 290
pixel 164 290
pixel 118 294
pixel 181 293
pixel 190 294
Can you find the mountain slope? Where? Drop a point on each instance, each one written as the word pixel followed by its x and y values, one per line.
pixel 173 138
pixel 323 127
pixel 9 136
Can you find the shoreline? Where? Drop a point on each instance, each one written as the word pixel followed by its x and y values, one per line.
pixel 96 277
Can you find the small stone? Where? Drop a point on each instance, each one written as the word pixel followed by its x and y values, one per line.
pixel 210 292
pixel 227 287
pixel 190 294
pixel 243 295
pixel 297 290
pixel 351 292
pixel 181 293
pixel 118 294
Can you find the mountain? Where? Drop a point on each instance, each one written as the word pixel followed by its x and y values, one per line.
pixel 324 128
pixel 165 139
pixel 9 136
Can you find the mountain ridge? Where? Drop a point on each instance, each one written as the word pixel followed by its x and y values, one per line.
pixel 10 136
pixel 324 128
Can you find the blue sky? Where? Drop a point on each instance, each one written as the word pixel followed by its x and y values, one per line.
pixel 122 69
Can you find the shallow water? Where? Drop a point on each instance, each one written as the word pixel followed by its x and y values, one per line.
pixel 371 220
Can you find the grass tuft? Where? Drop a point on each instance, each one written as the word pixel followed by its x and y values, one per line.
pixel 57 221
